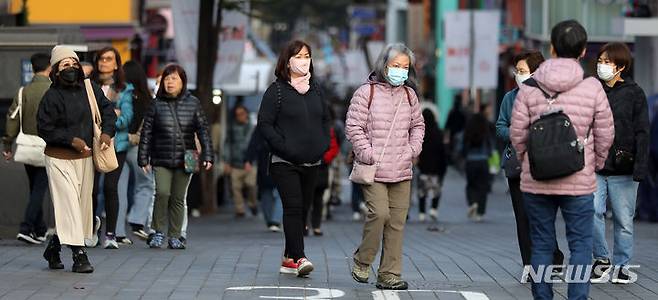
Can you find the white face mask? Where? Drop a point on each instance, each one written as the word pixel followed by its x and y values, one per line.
pixel 605 72
pixel 520 78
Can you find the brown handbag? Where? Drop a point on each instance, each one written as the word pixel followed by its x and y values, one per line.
pixel 104 160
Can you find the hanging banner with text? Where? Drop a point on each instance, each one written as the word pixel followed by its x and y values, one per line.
pixel 232 38
pixel 484 66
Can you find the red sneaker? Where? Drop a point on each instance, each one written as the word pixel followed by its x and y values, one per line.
pixel 288 266
pixel 304 267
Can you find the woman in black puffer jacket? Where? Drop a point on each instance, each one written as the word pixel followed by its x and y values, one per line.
pixel 626 164
pixel 174 112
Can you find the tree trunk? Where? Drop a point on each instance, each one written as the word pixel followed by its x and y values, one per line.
pixel 206 58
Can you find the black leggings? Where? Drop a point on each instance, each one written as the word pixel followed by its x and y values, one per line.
pixel 111 193
pixel 478 183
pixel 523 226
pixel 296 185
pixel 317 205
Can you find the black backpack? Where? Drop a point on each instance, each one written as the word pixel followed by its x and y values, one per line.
pixel 554 150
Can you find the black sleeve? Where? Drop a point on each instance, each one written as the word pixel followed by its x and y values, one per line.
pixel 203 132
pixel 641 130
pixel 146 137
pixel 251 155
pixel 106 108
pixel 51 121
pixel 267 115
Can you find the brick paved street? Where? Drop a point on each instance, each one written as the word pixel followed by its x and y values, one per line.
pixel 229 259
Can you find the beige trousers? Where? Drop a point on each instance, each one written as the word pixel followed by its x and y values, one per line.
pixel 240 180
pixel 388 204
pixel 71 184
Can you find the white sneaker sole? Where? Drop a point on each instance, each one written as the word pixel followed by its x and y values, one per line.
pixel 285 270
pixel 27 239
pixel 620 281
pixel 304 270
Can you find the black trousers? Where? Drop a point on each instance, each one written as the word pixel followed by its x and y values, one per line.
pixel 478 184
pixel 33 219
pixel 523 225
pixel 317 205
pixel 111 193
pixel 296 186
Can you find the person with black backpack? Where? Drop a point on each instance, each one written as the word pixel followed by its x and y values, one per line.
pixel 562 128
pixel 626 166
pixel 525 63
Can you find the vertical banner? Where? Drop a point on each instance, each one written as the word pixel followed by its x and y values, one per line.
pixel 484 66
pixel 486 45
pixel 232 39
pixel 457 48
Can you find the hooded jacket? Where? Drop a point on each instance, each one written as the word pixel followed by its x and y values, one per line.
pixel 367 129
pixel 64 114
pixel 586 104
pixel 631 114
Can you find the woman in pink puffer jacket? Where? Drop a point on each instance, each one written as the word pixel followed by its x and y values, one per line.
pixel 369 119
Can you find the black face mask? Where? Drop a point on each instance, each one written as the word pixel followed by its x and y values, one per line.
pixel 69 75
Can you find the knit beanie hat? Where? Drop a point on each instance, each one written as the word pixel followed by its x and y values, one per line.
pixel 59 53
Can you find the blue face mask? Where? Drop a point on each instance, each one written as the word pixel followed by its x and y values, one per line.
pixel 397 76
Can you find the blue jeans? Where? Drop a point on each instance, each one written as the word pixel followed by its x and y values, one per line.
pixel 270 201
pixel 578 212
pixel 622 192
pixel 144 193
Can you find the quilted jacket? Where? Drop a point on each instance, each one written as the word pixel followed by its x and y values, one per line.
pixel 586 104
pixel 367 129
pixel 161 145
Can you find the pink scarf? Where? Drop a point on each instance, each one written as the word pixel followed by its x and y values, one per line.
pixel 301 84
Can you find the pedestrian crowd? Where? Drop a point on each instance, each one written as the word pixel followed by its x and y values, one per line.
pixel 577 143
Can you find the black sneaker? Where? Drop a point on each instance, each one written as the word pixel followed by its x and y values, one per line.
pixel 622 277
pixel 51 254
pixel 601 271
pixel 254 211
pixel 29 238
pixel 81 262
pixel 138 231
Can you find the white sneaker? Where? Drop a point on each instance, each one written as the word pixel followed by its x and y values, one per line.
pixel 356 216
pixel 274 228
pixel 421 217
pixel 94 237
pixel 195 213
pixel 434 214
pixel 478 218
pixel 304 267
pixel 110 243
pixel 472 210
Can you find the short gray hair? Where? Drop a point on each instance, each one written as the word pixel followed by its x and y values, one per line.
pixel 388 53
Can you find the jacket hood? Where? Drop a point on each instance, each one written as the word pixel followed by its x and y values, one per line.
pixel 559 74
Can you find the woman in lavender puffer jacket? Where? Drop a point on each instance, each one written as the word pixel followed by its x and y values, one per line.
pixel 369 119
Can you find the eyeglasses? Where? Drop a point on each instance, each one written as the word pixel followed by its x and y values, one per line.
pixel 521 72
pixel 106 58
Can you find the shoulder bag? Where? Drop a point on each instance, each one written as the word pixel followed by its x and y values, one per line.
pixel 104 160
pixel 29 148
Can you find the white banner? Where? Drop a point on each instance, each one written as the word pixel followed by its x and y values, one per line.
pixel 232 40
pixel 457 45
pixel 486 24
pixel 485 57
